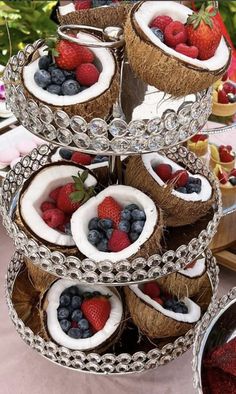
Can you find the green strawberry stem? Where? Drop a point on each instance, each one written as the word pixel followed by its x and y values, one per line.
pixel 203 15
pixel 51 46
pixel 81 194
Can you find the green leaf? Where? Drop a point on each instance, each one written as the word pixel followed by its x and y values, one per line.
pixel 77 196
pixel 84 176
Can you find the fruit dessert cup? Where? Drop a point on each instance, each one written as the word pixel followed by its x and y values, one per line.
pixel 222 156
pixel 49 198
pixel 120 222
pixel 184 197
pixel 166 51
pixel 78 80
pixel 227 180
pixel 158 311
pixel 198 144
pixel 224 97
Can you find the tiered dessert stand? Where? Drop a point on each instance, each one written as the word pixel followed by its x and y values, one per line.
pixel 123 134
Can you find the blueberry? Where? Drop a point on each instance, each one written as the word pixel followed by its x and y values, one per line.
pixel 182 190
pixel 65 153
pixel 109 233
pixel 76 302
pixel 65 325
pixel 83 324
pixel 69 74
pixel 54 89
pixel 99 159
pixel 52 67
pixel 131 207
pixel 77 315
pixel 65 300
pixel 63 313
pixel 68 229
pixel 168 304
pixel 75 333
pixel 44 62
pixel 94 237
pixel 93 224
pixel 102 245
pixel 105 224
pixel 138 214
pixel 124 225
pixel 158 33
pixel 134 236
pixel 232 181
pixel 73 290
pixel 192 188
pixel 70 87
pixel 194 181
pixel 137 227
pixel 42 78
pixel 86 334
pixel 125 214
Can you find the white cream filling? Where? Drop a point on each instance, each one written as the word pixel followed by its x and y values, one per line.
pixel 124 195
pixel 151 160
pixel 66 9
pixel 104 61
pixel 38 191
pixel 197 270
pixel 53 325
pixel 178 12
pixel 194 311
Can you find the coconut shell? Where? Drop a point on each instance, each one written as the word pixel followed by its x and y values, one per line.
pixel 177 212
pixel 157 68
pixel 152 322
pixel 98 17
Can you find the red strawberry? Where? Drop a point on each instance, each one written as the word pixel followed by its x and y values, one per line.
pixel 161 22
pixel 190 51
pixel 87 55
pixel 118 241
pixel 83 4
pixel 87 74
pixel 175 33
pixel 53 217
pixel 204 32
pixel 54 193
pixel 81 158
pixel 46 205
pixel 164 171
pixel 199 137
pixel 97 311
pixel 228 87
pixel 158 300
pixel 222 176
pixel 222 97
pixel 180 178
pixel 151 289
pixel 68 58
pixel 109 209
pixel 233 172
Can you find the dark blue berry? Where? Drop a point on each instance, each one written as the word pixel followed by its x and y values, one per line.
pixel 73 290
pixel 63 313
pixel 124 225
pixel 109 233
pixel 131 207
pixel 102 245
pixel 193 188
pixel 77 315
pixel 75 333
pixel 134 236
pixel 125 214
pixel 42 78
pixel 105 224
pixel 54 89
pixel 158 33
pixel 83 324
pixel 65 153
pixel 86 334
pixel 68 229
pixel 70 87
pixel 76 302
pixel 94 236
pixel 137 227
pixel 99 159
pixel 52 67
pixel 57 76
pixel 69 74
pixel 65 325
pixel 232 181
pixel 44 62
pixel 138 214
pixel 182 190
pixel 93 224
pixel 168 304
pixel 65 300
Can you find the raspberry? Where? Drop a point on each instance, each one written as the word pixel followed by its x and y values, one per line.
pixel 164 171
pixel 175 33
pixel 161 22
pixel 190 51
pixel 151 289
pixel 54 193
pixel 180 178
pixel 228 87
pixel 87 74
pixel 86 55
pixel 198 137
pixel 158 300
pixel 83 4
pixel 46 205
pixel 81 158
pixel 53 217
pixel 225 156
pixel 118 241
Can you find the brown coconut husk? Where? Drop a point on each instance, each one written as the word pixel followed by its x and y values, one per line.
pixel 152 322
pixel 98 17
pixel 157 68
pixel 177 212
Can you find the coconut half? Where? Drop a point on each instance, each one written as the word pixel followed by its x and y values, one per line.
pixel 179 208
pixel 99 338
pixel 162 66
pixel 148 241
pixel 37 189
pixel 197 270
pixel 95 101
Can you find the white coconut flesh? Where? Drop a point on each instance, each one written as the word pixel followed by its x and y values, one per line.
pixel 38 191
pixel 104 61
pixel 178 12
pixel 66 9
pixel 151 160
pixel 194 311
pixel 197 270
pixel 124 195
pixel 53 325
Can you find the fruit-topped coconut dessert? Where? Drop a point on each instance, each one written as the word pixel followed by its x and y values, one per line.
pixel 223 156
pixel 158 312
pixel 74 78
pixel 49 198
pixel 198 144
pixel 226 179
pixel 175 49
pixel 224 97
pixel 82 317
pixel 119 223
pixel 183 196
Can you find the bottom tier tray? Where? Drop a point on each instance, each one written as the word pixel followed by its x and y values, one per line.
pixel 133 352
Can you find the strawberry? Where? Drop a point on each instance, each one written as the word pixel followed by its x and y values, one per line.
pixel 180 178
pixel 110 209
pixel 68 57
pixel 119 240
pixel 222 176
pixel 158 300
pixel 233 172
pixel 97 311
pixel 161 22
pixel 164 171
pixel 73 195
pixel 83 4
pixel 87 74
pixel 151 289
pixel 54 193
pixel 86 54
pixel 204 32
pixel 46 205
pixel 229 87
pixel 175 33
pixel 190 51
pixel 222 97
pixel 198 137
pixel 53 217
pixel 81 158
